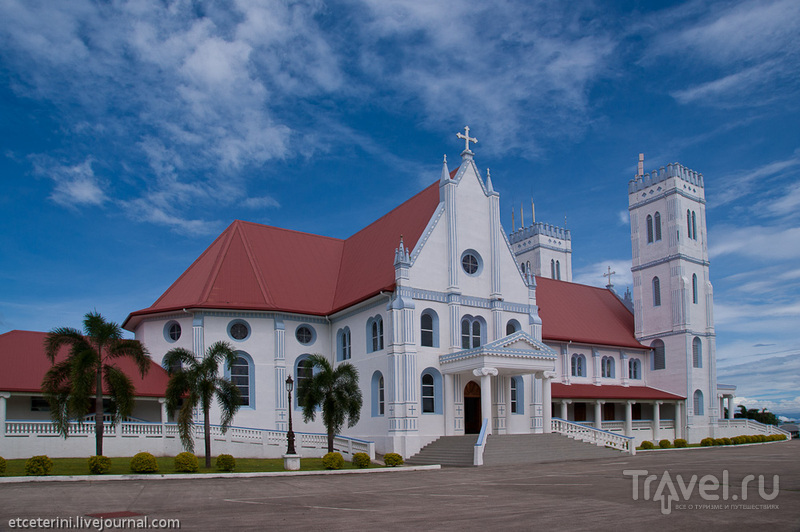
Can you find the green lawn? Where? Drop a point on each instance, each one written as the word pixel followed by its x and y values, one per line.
pixel 166 465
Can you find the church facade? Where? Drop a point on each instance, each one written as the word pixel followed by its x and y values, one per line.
pixel 452 323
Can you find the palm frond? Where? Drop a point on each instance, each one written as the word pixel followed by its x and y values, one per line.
pixel 229 399
pixel 59 337
pixel 186 422
pixel 132 349
pixel 121 390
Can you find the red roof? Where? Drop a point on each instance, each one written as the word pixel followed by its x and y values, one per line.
pixel 24 363
pixel 583 314
pixel 258 267
pixel 590 391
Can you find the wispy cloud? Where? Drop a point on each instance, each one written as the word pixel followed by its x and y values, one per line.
pixel 593 274
pixel 74 185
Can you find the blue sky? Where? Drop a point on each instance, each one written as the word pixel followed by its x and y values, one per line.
pixel 133 132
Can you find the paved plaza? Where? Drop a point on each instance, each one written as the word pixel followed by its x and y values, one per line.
pixel 577 495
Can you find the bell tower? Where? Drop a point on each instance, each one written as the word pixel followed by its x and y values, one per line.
pixel 672 292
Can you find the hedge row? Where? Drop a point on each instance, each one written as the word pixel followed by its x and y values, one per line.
pixel 739 440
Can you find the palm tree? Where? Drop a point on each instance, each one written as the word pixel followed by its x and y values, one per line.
pixel 336 391
pixel 89 367
pixel 193 383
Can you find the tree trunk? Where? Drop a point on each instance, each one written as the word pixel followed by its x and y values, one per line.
pixel 330 440
pixel 207 432
pixel 98 412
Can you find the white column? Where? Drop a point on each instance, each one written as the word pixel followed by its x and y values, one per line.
pixel 449 405
pixel 598 414
pixel 730 407
pixel 3 397
pixel 656 420
pixel 565 409
pixel 721 404
pixel 547 402
pixel 486 375
pixel 678 419
pixel 629 418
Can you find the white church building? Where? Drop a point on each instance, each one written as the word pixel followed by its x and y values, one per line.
pixel 457 327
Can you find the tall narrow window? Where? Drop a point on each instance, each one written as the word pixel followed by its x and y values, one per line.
pixel 697 352
pixel 558 270
pixel 476 333
pixel 381 397
pixel 578 365
pixel 552 268
pixel 426 330
pixel 649 229
pixel 513 395
pixel 656 292
pixel 428 393
pixel 694 288
pixel 607 367
pixel 694 226
pixel 657 223
pixel 377 333
pixel 343 351
pixel 378 396
pixel 698 403
pixel 659 354
pixel 470 333
pixel 240 377
pixel 634 369
pixel 689 223
pixel 304 372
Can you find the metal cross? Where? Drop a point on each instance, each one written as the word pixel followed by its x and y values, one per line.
pixel 467 138
pixel 609 274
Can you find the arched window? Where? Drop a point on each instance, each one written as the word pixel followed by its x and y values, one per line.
pixel 528 267
pixel 694 288
pixel 517 402
pixel 607 367
pixel 697 352
pixel 343 350
pixel 649 229
pixel 657 223
pixel 429 328
pixel 241 376
pixel 552 268
pixel 303 371
pixel 471 332
pixel 578 365
pixel 698 403
pixel 374 334
pixel 431 381
pixel 689 223
pixel 659 354
pixel 378 394
pixel 512 326
pixel 656 292
pixel 694 226
pixel 634 368
pixel 558 270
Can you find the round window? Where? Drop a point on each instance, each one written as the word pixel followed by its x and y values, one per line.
pixel 239 330
pixel 172 331
pixel 471 262
pixel 304 334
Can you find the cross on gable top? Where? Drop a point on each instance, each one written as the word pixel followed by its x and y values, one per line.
pixel 467 138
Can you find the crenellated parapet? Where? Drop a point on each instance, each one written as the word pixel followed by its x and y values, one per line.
pixel 683 173
pixel 539 228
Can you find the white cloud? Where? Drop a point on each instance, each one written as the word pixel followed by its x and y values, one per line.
pixel 592 274
pixel 261 202
pixel 741 184
pixel 624 217
pixel 74 185
pixel 761 243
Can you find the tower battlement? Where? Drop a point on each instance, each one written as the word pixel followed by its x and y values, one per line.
pixel 539 228
pixel 645 180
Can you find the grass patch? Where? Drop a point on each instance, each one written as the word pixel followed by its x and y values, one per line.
pixel 166 466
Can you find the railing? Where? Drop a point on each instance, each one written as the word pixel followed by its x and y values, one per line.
pixel 593 435
pixel 261 437
pixel 753 426
pixel 480 445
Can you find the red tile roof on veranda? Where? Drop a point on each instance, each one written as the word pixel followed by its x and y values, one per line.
pixel 258 267
pixel 583 314
pixel 24 363
pixel 590 391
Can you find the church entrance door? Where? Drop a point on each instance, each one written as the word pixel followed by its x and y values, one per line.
pixel 472 408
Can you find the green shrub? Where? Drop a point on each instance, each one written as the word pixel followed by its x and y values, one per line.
pixel 99 464
pixel 719 441
pixel 361 460
pixel 762 437
pixel 392 459
pixel 737 440
pixel 727 441
pixel 144 463
pixel 665 444
pixel 707 442
pixel 680 443
pixel 226 462
pixel 333 461
pixel 186 463
pixel 38 466
pixel 647 445
pixel 2 466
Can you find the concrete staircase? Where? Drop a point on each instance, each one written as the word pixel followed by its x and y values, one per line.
pixel 458 451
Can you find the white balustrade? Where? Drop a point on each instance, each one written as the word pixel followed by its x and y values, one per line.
pixel 602 438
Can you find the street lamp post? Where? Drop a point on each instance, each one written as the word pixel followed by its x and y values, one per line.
pixel 290 435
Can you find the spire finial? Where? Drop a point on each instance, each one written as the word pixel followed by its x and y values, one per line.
pixel 489 181
pixel 641 164
pixel 445 172
pixel 513 224
pixel 609 274
pixel 533 213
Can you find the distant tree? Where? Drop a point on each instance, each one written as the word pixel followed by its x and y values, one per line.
pixel 762 416
pixel 194 383
pixel 336 391
pixel 70 384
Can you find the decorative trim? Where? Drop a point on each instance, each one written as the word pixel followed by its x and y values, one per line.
pixel 677 256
